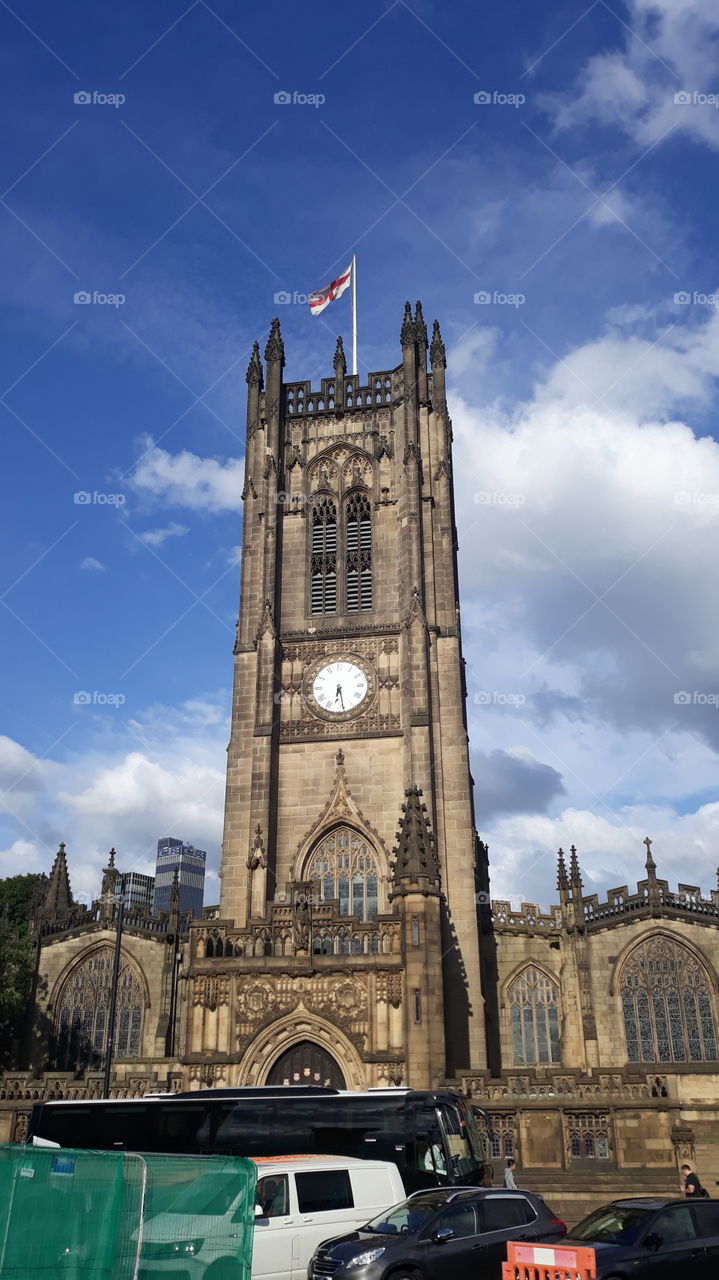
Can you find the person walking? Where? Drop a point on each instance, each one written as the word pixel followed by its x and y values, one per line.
pixel 510 1181
pixel 692 1186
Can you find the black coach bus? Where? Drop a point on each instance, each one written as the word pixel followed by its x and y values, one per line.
pixel 431 1135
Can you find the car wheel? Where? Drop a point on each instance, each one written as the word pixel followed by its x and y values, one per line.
pixel 404 1273
pixel 225 1269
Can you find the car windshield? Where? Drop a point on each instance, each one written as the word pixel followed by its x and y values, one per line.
pixel 411 1215
pixel 208 1196
pixel 617 1224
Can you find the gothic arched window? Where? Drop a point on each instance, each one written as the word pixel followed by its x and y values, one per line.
pixel 534 1003
pixel 667 1004
pixel 358 554
pixel 323 559
pixel 81 1022
pixel 346 868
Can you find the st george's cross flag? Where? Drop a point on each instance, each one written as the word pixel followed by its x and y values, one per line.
pixel 323 297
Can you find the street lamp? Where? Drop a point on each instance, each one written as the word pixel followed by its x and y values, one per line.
pixel 119 916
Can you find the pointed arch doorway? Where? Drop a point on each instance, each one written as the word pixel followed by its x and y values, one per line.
pixel 306 1063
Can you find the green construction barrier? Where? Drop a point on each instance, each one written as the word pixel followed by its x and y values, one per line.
pixel 97 1215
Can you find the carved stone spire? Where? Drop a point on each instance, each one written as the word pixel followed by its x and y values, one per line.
pixel 406 333
pixel 420 328
pixel 575 875
pixel 254 368
pixel 275 349
pixel 562 881
pixel 57 898
pixel 654 892
pixel 339 363
pixel 437 353
pixel 416 861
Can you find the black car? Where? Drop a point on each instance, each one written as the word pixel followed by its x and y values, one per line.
pixel 659 1239
pixel 443 1234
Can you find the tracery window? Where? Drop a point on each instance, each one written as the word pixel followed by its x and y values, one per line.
pixel 534 1004
pixel 346 868
pixel 358 554
pixel 81 1022
pixel 667 1004
pixel 588 1136
pixel 503 1140
pixel 323 567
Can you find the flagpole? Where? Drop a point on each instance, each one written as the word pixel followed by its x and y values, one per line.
pixel 354 314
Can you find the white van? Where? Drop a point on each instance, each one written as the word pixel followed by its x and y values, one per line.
pixel 300 1201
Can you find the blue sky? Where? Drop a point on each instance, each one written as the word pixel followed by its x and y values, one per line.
pixel 588 475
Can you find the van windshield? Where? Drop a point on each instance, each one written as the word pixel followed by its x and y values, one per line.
pixel 411 1215
pixel 210 1196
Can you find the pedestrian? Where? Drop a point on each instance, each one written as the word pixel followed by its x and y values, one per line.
pixel 510 1181
pixel 487 1177
pixel 692 1186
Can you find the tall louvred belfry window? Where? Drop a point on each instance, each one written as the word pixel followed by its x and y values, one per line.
pixel 81 1022
pixel 358 552
pixel 323 570
pixel 667 1004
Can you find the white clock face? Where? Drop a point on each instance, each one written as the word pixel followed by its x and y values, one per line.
pixel 340 687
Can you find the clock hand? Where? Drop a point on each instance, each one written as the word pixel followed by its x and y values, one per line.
pixel 338 695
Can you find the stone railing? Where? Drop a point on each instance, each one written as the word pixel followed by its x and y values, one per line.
pixel 529 918
pixel 555 1086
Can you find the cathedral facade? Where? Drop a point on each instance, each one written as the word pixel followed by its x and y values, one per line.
pixel 355 942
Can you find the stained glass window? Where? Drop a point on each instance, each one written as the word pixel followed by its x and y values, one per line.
pixel 81 1021
pixel 534 1005
pixel 346 868
pixel 667 1004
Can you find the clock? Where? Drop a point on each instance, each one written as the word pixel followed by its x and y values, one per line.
pixel 340 687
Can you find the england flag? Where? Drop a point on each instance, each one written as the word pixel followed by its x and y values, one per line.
pixel 323 297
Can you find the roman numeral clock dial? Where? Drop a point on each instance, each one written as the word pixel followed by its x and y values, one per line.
pixel 340 687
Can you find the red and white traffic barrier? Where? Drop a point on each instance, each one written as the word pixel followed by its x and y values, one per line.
pixel 548 1262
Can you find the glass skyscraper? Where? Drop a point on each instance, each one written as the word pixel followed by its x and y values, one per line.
pixel 189 862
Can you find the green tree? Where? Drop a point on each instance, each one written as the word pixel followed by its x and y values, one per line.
pixel 18 895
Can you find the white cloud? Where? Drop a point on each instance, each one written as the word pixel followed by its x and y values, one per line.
pixel 93 565
pixel 156 537
pixel 161 773
pixel 187 480
pixel 668 47
pixel 584 562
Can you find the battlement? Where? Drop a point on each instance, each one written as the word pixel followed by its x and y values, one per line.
pixel 382 389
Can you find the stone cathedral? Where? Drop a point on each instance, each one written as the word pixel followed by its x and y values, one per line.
pixel 355 943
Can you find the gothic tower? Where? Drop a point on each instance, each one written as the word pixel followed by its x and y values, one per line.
pixel 348 705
